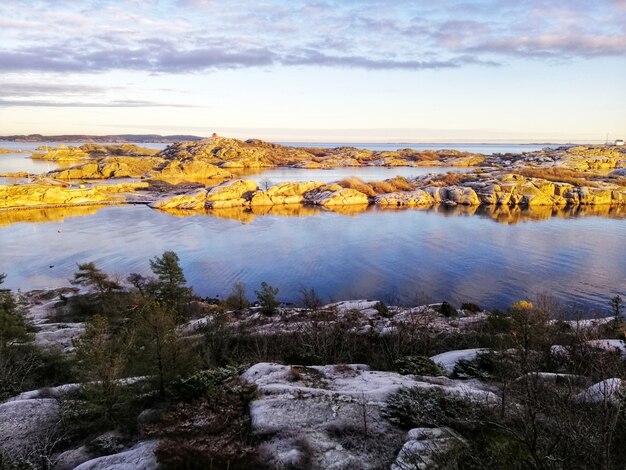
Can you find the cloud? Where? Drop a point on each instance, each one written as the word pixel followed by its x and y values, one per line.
pixel 36 89
pixel 6 103
pixel 180 36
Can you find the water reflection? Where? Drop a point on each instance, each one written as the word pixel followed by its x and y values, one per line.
pixel 444 252
pixel 55 214
pixel 500 214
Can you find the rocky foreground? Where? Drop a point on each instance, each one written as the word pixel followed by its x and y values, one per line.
pixel 203 175
pixel 329 416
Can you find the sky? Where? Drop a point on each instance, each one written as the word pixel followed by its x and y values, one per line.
pixel 321 70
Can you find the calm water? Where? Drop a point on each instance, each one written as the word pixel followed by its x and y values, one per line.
pixel 443 254
pixel 370 173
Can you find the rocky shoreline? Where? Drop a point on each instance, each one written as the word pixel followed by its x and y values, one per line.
pixel 202 175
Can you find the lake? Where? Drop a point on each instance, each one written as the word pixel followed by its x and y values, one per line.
pixel 410 255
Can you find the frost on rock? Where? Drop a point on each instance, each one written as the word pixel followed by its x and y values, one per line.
pixel 422 445
pixel 604 391
pixel 26 424
pixel 449 359
pixel 612 345
pixel 330 416
pixel 140 457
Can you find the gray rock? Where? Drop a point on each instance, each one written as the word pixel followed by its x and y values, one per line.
pixel 71 458
pixel 27 424
pixel 108 443
pixel 140 457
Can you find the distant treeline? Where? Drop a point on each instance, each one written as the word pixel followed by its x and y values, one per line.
pixel 121 138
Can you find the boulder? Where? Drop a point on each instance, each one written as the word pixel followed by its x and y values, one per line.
pixel 231 194
pixel 461 195
pixel 414 198
pixel 35 194
pixel 609 390
pixel 192 200
pixel 26 424
pixel 331 416
pixel 194 169
pixel 422 444
pixel 72 458
pixel 335 195
pixel 284 193
pixel 448 360
pixel 139 457
pixel 110 167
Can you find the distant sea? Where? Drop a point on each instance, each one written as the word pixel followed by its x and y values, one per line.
pixel 486 149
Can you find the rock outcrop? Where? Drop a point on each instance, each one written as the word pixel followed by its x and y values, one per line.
pixel 284 193
pixel 41 195
pixel 190 168
pixel 140 457
pixel 335 195
pixel 313 417
pixel 232 194
pixel 110 167
pixel 25 424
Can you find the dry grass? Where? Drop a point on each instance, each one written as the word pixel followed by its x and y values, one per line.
pixel 374 188
pixel 449 179
pixel 559 175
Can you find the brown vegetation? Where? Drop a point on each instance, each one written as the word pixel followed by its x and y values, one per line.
pixel 559 175
pixel 374 188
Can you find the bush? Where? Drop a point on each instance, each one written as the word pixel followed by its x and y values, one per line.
pixel 418 365
pixel 483 368
pixel 267 298
pixel 382 308
pixel 200 383
pixel 237 299
pixel 447 310
pixel 470 307
pixel 309 298
pixel 209 432
pixel 430 407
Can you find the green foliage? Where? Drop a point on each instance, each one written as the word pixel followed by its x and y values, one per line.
pixel 99 284
pixel 267 298
pixel 470 307
pixel 160 350
pixel 483 367
pixel 418 365
pixel 103 354
pixel 14 327
pixel 431 407
pixel 381 308
pixel 617 305
pixel 198 385
pixel 237 298
pixel 447 310
pixel 88 275
pixel 169 287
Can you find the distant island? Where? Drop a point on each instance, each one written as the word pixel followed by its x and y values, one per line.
pixel 118 138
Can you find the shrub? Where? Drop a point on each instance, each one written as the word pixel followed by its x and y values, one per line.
pixel 447 310
pixel 483 367
pixel 418 365
pixel 309 298
pixel 382 308
pixel 430 407
pixel 237 299
pixel 209 432
pixel 200 383
pixel 267 298
pixel 470 307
